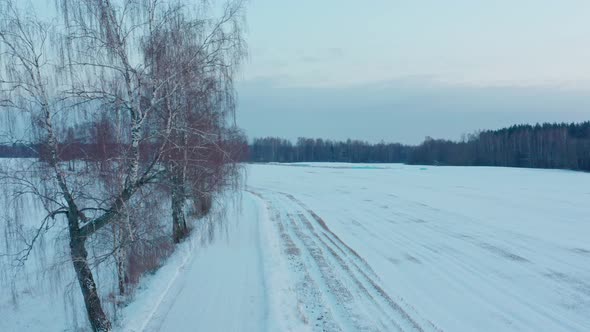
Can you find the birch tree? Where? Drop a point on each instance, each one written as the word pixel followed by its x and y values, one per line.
pixel 162 71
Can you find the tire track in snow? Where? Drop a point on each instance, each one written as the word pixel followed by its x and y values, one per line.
pixel 366 284
pixel 371 288
pixel 353 289
pixel 311 303
pixel 329 278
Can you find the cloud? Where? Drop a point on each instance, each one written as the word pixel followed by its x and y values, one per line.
pixel 311 59
pixel 325 54
pixel 404 110
pixel 336 51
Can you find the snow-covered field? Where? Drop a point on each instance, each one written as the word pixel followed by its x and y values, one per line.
pixel 457 248
pixel 342 247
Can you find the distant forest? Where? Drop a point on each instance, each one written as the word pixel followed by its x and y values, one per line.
pixel 563 146
pixel 550 145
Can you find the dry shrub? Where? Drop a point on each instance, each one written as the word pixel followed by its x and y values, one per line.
pixel 147 257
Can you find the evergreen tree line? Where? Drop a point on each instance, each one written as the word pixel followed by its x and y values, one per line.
pixel 549 145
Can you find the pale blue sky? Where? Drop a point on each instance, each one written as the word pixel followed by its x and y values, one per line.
pixel 415 65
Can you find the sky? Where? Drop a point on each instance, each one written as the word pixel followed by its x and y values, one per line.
pixel 399 71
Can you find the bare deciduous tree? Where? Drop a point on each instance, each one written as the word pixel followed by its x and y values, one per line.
pixel 161 72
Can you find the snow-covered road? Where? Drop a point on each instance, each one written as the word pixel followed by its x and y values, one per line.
pixel 336 247
pixel 217 286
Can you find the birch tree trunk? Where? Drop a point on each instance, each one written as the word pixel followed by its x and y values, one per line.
pixel 179 228
pixel 79 255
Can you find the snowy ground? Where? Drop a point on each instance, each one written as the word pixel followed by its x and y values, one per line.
pixel 330 247
pixel 341 247
pixel 214 282
pixel 469 249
